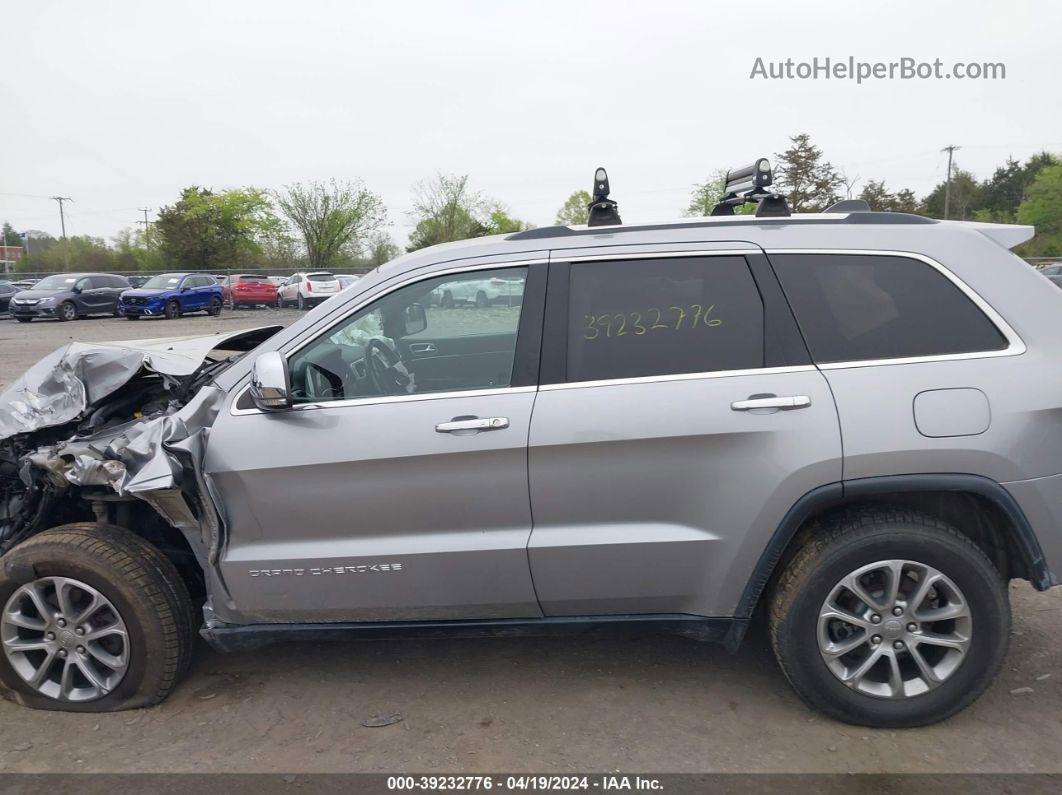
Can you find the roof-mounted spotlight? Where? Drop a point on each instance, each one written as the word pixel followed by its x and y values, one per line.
pixel 749 184
pixel 602 210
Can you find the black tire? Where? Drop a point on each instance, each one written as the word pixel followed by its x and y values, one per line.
pixel 280 302
pixel 132 317
pixel 66 311
pixel 140 582
pixel 172 311
pixel 215 307
pixel 302 304
pixel 859 538
pixel 24 319
pixel 482 302
pixel 447 300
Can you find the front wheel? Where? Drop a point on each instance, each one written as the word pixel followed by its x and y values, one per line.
pixel 889 619
pixel 215 307
pixel 67 311
pixel 95 619
pixel 482 302
pixel 302 304
pixel 172 311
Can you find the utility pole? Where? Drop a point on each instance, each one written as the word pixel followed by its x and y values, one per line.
pixel 147 225
pixel 62 218
pixel 950 149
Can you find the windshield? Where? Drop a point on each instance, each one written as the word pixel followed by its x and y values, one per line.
pixel 56 283
pixel 166 281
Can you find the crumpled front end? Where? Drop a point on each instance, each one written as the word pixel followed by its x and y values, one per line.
pixel 95 424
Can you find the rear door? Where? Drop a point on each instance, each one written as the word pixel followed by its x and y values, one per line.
pixel 678 420
pixel 94 297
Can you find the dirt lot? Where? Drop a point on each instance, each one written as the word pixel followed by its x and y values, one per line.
pixel 558 704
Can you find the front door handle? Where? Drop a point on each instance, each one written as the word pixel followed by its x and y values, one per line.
pixel 771 402
pixel 473 424
pixel 421 347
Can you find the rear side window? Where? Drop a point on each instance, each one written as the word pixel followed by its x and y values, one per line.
pixel 665 316
pixel 857 307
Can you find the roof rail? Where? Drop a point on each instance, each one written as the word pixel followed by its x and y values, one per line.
pixel 749 184
pixel 848 206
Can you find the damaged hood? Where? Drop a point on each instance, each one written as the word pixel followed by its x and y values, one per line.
pixel 63 385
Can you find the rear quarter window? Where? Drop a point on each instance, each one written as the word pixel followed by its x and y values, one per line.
pixel 859 307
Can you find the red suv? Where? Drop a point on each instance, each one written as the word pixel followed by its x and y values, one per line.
pixel 247 289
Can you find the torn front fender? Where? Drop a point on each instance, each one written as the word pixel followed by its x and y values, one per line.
pixel 62 386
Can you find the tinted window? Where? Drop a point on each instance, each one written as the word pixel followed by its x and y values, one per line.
pixel 658 317
pixel 858 307
pixel 320 277
pixel 255 279
pixel 432 336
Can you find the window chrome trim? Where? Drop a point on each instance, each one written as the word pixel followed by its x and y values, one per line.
pixel 654 379
pixel 380 399
pixel 413 279
pixel 1015 345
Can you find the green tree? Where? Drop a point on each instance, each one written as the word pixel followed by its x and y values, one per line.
pixel 1042 208
pixel 1004 190
pixel 807 179
pixel 213 231
pixel 574 210
pixel 380 249
pixel 82 252
pixel 965 197
pixel 8 236
pixel 705 195
pixel 881 199
pixel 332 218
pixel 446 209
pixel 134 250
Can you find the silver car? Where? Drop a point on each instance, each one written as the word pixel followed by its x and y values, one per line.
pixel 851 420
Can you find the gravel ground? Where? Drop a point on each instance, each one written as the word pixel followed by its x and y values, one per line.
pixel 536 704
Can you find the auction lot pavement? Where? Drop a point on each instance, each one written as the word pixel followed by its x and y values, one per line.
pixel 649 703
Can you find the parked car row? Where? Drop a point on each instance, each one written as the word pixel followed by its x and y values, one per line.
pixel 69 296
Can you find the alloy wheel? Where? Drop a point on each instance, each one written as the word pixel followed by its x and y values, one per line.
pixel 65 639
pixel 894 629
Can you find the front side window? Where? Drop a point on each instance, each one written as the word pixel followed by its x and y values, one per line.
pixel 861 307
pixel 450 333
pixel 665 316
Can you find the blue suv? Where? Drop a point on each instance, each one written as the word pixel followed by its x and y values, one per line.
pixel 170 295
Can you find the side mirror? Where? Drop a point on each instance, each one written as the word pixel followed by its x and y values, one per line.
pixel 77 288
pixel 416 319
pixel 271 382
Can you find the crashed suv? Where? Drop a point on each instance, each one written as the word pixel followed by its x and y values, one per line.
pixel 847 423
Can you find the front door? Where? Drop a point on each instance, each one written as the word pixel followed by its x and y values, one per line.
pixel 683 420
pixel 396 488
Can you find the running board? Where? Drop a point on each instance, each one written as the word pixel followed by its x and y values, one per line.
pixel 233 637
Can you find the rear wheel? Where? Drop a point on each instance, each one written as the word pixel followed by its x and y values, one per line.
pixel 302 304
pixel 95 619
pixel 447 300
pixel 891 619
pixel 172 310
pixel 215 307
pixel 481 300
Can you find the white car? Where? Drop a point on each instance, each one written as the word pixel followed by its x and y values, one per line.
pixel 306 289
pixel 481 292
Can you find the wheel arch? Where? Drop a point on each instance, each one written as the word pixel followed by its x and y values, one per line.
pixel 977 506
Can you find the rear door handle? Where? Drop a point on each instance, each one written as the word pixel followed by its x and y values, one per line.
pixel 772 402
pixel 473 424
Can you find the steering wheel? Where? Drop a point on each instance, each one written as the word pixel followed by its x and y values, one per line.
pixel 386 371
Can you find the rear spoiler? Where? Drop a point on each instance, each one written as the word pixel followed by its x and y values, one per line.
pixel 1006 235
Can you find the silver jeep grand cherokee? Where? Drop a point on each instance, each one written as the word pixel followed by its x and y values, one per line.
pixel 850 422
